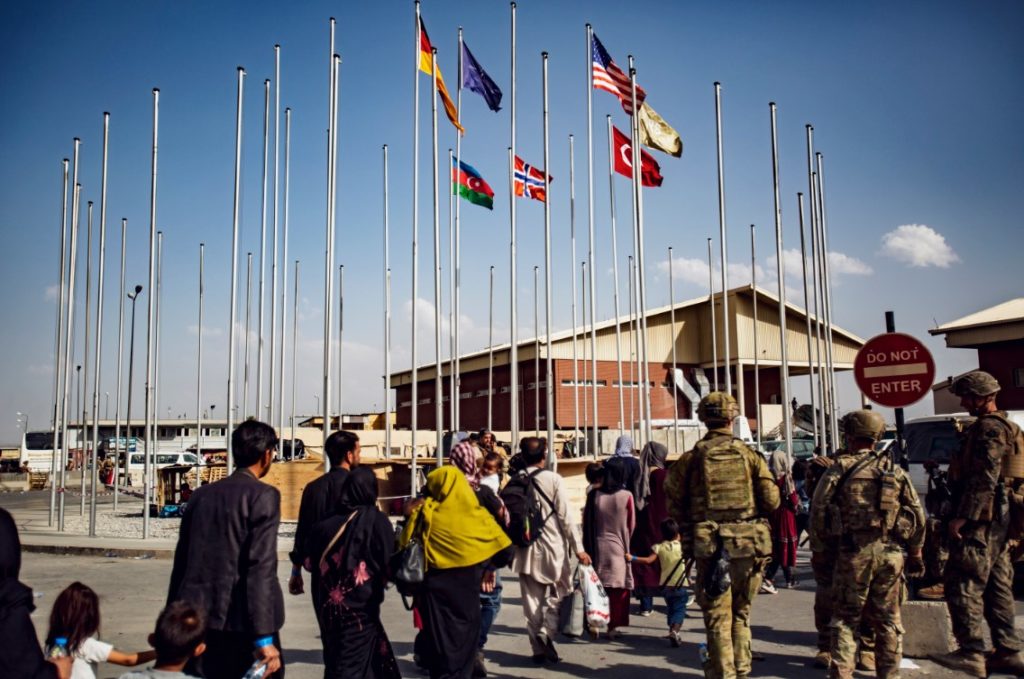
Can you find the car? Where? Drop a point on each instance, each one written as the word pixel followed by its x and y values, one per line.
pixel 803 448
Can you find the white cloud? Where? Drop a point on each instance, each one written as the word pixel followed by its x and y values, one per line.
pixel 919 246
pixel 840 263
pixel 50 294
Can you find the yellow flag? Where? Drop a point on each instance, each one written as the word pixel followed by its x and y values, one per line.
pixel 655 133
pixel 426 57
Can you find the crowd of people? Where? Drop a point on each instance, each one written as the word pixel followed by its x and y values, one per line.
pixel 719 524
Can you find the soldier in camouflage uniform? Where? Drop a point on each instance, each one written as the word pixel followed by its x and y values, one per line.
pixel 823 562
pixel 721 494
pixel 869 508
pixel 985 477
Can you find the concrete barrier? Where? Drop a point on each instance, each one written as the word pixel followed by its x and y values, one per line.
pixel 928 629
pixel 15 482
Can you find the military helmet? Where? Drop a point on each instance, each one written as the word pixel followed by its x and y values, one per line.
pixel 863 424
pixel 717 405
pixel 975 383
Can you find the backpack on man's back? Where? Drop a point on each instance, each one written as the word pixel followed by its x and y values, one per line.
pixel 526 516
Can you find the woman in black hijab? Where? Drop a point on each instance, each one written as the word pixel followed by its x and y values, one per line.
pixel 351 551
pixel 22 656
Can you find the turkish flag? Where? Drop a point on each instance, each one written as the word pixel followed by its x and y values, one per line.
pixel 650 171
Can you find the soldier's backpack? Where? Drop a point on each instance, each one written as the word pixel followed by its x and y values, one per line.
pixel 728 488
pixel 526 515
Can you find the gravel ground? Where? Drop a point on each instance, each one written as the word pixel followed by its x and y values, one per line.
pixel 128 524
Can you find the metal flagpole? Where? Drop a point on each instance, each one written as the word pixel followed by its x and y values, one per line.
pixel 150 326
pixel 549 394
pixel 615 274
pixel 586 410
pixel 199 364
pixel 83 436
pixel 490 352
pixel 68 344
pixel 245 358
pixel 387 314
pixel 332 156
pixel 807 317
pixel 58 333
pixel 823 388
pixel 827 280
pixel 723 245
pixel 757 350
pixel 414 404
pixel 284 273
pixel 575 294
pixel 672 321
pixel 273 260
pixel 94 477
pixel 634 271
pixel 158 317
pixel 818 357
pixel 120 361
pixel 235 211
pixel 590 222
pixel 295 328
pixel 341 348
pixel 632 348
pixel 457 380
pixel 641 268
pixel 714 321
pixel 787 420
pixel 263 252
pixel 438 378
pixel 513 362
pixel 536 356
pixel 452 394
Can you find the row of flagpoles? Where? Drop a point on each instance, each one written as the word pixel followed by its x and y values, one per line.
pixel 646 129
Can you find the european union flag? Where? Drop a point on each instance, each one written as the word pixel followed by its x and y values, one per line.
pixel 475 78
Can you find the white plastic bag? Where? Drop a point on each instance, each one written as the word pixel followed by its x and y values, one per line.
pixel 595 600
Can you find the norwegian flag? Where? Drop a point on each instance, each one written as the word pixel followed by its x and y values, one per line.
pixel 529 181
pixel 609 77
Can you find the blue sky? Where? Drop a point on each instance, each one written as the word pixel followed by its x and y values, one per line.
pixel 915 106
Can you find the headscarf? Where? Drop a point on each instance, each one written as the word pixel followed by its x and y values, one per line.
pixel 614 476
pixel 624 446
pixel 12 592
pixel 360 543
pixel 463 457
pixel 779 465
pixel 652 457
pixel 457 531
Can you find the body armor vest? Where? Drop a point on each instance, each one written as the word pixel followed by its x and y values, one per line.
pixel 728 488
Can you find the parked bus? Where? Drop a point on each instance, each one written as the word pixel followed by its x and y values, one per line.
pixel 37 450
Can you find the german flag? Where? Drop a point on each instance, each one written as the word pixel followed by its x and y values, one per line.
pixel 426 63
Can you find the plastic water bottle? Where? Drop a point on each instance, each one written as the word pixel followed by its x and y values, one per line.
pixel 59 649
pixel 702 651
pixel 258 669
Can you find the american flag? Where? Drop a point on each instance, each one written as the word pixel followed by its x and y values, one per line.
pixel 529 181
pixel 610 78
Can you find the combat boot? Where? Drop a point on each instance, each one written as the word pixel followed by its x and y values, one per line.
pixel 822 660
pixel 936 592
pixel 1005 661
pixel 866 661
pixel 971 663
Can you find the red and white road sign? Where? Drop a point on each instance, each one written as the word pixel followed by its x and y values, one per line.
pixel 894 370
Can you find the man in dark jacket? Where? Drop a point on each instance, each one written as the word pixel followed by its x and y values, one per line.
pixel 226 561
pixel 22 656
pixel 320 499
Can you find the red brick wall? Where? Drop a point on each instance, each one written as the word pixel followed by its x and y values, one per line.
pixel 1000 360
pixel 473 413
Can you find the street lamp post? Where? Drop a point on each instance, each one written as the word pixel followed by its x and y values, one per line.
pixel 78 395
pixel 106 408
pixel 128 415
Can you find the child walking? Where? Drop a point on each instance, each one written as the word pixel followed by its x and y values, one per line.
pixel 75 618
pixel 178 638
pixel 669 555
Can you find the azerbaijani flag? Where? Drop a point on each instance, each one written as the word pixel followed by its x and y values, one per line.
pixel 468 183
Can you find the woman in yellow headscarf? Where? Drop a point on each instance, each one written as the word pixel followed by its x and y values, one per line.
pixel 460 538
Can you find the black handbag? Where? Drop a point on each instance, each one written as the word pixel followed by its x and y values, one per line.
pixel 409 565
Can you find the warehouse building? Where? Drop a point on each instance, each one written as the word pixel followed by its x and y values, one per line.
pixel 694 377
